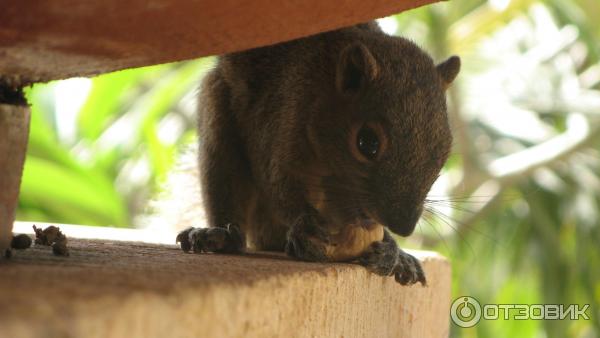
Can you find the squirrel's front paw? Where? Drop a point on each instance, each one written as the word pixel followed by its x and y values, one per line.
pixel 307 241
pixel 386 259
pixel 229 239
pixel 408 270
pixel 381 258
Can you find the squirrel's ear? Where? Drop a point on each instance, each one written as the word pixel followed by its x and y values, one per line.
pixel 448 70
pixel 355 68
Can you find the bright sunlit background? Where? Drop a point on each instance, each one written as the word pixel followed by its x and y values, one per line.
pixel 516 209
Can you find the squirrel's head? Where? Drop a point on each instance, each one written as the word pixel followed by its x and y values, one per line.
pixel 383 136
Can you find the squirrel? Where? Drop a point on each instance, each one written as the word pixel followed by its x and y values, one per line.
pixel 312 144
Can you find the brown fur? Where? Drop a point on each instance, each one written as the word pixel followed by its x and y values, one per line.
pixel 274 126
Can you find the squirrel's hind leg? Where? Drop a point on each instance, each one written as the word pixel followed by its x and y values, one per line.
pixel 224 172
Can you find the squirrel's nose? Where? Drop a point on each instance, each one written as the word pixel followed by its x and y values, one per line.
pixel 404 221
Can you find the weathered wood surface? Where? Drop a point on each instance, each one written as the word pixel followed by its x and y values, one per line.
pixel 44 40
pixel 14 129
pixel 130 289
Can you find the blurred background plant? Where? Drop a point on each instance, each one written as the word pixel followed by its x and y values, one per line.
pixel 107 143
pixel 516 209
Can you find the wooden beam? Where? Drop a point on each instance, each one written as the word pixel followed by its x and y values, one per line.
pixel 14 129
pixel 45 40
pixel 109 288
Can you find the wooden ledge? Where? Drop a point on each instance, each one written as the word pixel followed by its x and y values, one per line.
pixel 110 288
pixel 46 40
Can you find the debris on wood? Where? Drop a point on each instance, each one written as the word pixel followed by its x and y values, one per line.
pixel 20 242
pixel 52 236
pixel 59 247
pixel 46 236
pixel 11 93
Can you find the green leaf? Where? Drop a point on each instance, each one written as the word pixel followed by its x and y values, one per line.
pixel 78 196
pixel 108 98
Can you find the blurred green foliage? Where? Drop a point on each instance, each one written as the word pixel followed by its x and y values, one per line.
pixel 516 209
pixel 113 159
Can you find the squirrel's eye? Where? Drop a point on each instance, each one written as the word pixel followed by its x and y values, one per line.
pixel 367 142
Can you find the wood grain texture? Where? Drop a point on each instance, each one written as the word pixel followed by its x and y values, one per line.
pixel 44 40
pixel 131 289
pixel 14 129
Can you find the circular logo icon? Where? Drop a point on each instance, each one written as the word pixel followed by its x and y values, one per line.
pixel 465 311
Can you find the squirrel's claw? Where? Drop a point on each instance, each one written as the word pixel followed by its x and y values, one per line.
pixel 381 258
pixel 229 239
pixel 307 241
pixel 183 238
pixel 408 270
pixel 305 249
pixel 386 259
